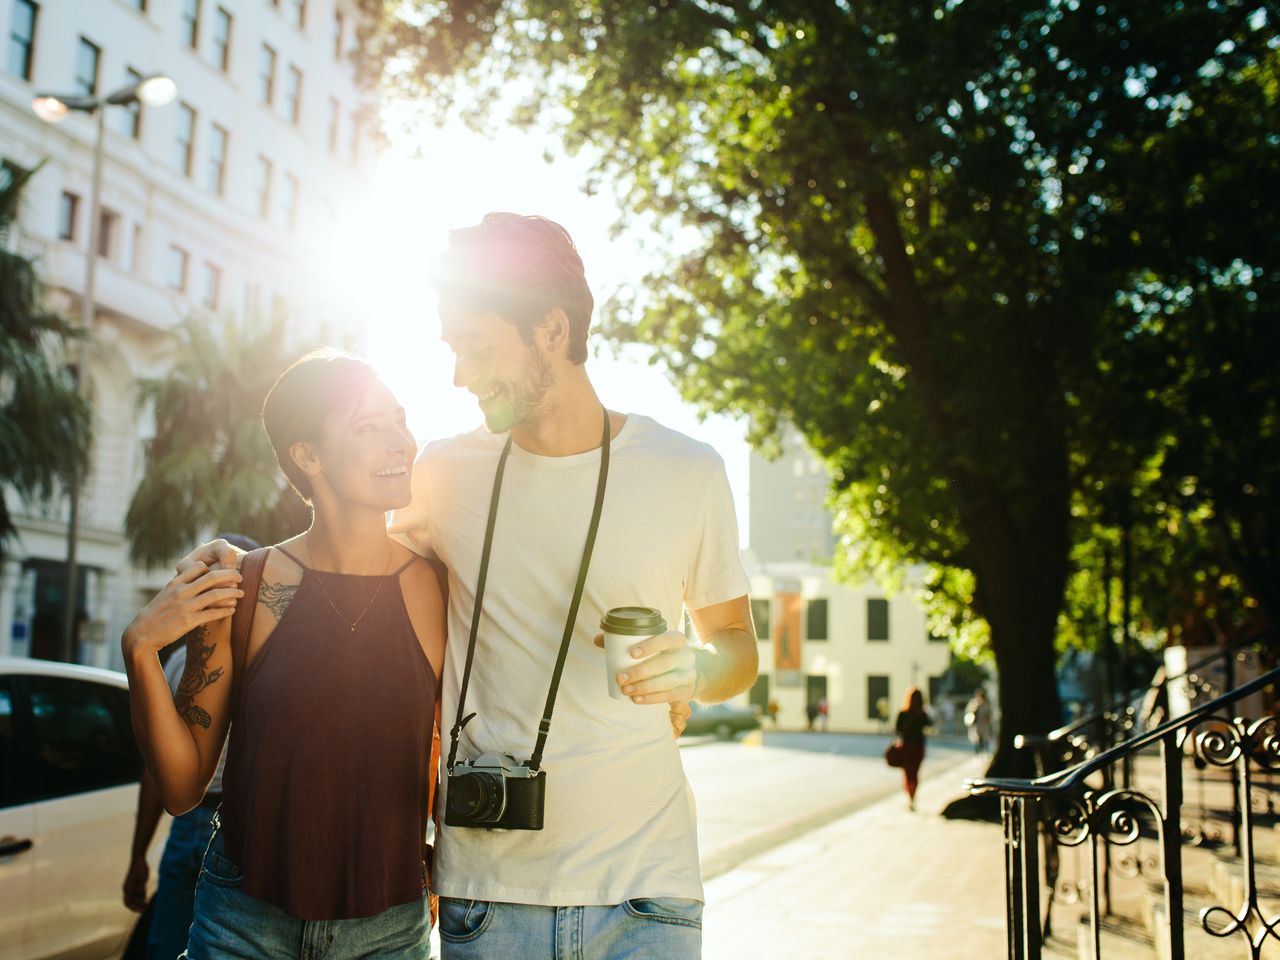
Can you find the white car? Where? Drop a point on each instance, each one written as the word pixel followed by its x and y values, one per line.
pixel 69 772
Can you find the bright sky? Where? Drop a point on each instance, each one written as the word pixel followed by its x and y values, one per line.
pixel 462 176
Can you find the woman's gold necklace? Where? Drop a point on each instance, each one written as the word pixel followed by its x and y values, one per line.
pixel 320 580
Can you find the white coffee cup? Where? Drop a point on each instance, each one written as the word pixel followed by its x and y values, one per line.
pixel 623 627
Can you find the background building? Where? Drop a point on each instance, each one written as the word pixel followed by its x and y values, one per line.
pixel 226 200
pixel 856 645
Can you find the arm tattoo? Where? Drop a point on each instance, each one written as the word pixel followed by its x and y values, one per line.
pixel 196 677
pixel 276 597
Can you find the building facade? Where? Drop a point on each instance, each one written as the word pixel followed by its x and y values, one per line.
pixel 225 201
pixel 857 646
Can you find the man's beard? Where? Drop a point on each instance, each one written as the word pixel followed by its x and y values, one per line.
pixel 523 401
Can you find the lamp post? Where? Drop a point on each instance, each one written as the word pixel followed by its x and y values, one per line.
pixel 155 90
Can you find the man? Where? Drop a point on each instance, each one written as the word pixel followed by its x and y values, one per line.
pixel 614 870
pixel 616 863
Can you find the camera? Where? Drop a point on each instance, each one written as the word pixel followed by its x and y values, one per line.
pixel 495 792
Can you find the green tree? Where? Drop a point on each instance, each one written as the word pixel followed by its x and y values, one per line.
pixel 210 467
pixel 941 238
pixel 44 423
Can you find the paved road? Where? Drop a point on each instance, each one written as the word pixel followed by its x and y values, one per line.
pixel 768 788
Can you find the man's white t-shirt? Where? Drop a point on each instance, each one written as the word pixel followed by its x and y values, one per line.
pixel 619 820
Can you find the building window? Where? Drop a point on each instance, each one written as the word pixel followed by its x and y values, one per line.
pixel 300 13
pixel 291 189
pixel 22 38
pixel 335 122
pixel 760 616
pixel 185 142
pixel 222 39
pixel 877 697
pixel 131 115
pixel 264 187
pixel 176 275
pixel 139 5
pixel 267 75
pixel 816 619
pixel 217 159
pixel 339 31
pixel 87 57
pixel 212 286
pixel 68 214
pixel 877 618
pixel 293 94
pixel 191 23
pixel 108 231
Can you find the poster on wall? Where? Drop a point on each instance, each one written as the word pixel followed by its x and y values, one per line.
pixel 787 637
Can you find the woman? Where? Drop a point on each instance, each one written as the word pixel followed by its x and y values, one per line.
pixel 911 723
pixel 327 676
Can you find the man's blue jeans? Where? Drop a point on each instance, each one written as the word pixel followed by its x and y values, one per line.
pixel 662 928
pixel 176 886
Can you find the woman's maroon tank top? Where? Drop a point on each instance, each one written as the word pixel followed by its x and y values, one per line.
pixel 325 793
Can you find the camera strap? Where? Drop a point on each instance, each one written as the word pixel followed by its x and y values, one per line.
pixel 535 761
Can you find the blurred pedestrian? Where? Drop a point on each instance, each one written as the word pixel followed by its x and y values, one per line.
pixel 977 720
pixel 823 713
pixel 773 713
pixel 911 723
pixel 323 686
pixel 811 713
pixel 189 835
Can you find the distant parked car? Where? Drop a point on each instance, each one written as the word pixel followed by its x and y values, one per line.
pixel 69 771
pixel 722 719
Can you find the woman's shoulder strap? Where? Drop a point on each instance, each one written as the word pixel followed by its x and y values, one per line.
pixel 251 568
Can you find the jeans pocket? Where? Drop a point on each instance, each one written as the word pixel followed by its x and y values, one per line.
pixel 676 910
pixel 462 920
pixel 220 871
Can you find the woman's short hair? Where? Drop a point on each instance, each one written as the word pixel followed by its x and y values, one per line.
pixel 518 268
pixel 313 388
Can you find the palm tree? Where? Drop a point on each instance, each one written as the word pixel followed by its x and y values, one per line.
pixel 44 422
pixel 209 466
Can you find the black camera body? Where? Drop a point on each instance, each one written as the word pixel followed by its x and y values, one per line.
pixel 495 792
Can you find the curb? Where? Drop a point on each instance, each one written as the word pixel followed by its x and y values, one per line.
pixel 722 861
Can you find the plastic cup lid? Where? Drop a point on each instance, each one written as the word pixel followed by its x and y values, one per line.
pixel 634 621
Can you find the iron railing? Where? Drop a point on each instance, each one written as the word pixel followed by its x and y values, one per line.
pixel 1083 805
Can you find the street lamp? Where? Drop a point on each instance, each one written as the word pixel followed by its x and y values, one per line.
pixel 154 90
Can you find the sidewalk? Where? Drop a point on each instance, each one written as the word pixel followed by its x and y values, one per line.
pixel 881 883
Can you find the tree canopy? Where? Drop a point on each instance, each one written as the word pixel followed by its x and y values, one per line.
pixel 1004 265
pixel 210 468
pixel 44 423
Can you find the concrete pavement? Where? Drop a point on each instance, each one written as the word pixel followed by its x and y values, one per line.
pixel 883 882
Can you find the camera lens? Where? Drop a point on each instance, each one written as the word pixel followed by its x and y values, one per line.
pixel 477 796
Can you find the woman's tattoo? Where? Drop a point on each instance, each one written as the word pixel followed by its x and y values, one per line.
pixel 276 597
pixel 196 677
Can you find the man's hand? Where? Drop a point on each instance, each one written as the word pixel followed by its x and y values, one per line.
pixel 191 599
pixel 135 884
pixel 670 675
pixel 678 714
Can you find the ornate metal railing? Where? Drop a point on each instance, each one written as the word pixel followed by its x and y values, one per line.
pixel 1084 807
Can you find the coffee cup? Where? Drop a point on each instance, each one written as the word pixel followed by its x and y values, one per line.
pixel 623 627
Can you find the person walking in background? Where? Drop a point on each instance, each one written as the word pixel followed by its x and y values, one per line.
pixel 323 686
pixel 189 835
pixel 823 714
pixel 977 720
pixel 911 723
pixel 811 713
pixel 773 713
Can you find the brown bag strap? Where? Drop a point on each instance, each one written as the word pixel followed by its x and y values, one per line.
pixel 242 620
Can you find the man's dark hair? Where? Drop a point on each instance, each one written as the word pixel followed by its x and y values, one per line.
pixel 518 268
pixel 315 386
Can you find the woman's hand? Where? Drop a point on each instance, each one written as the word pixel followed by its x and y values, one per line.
pixel 193 598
